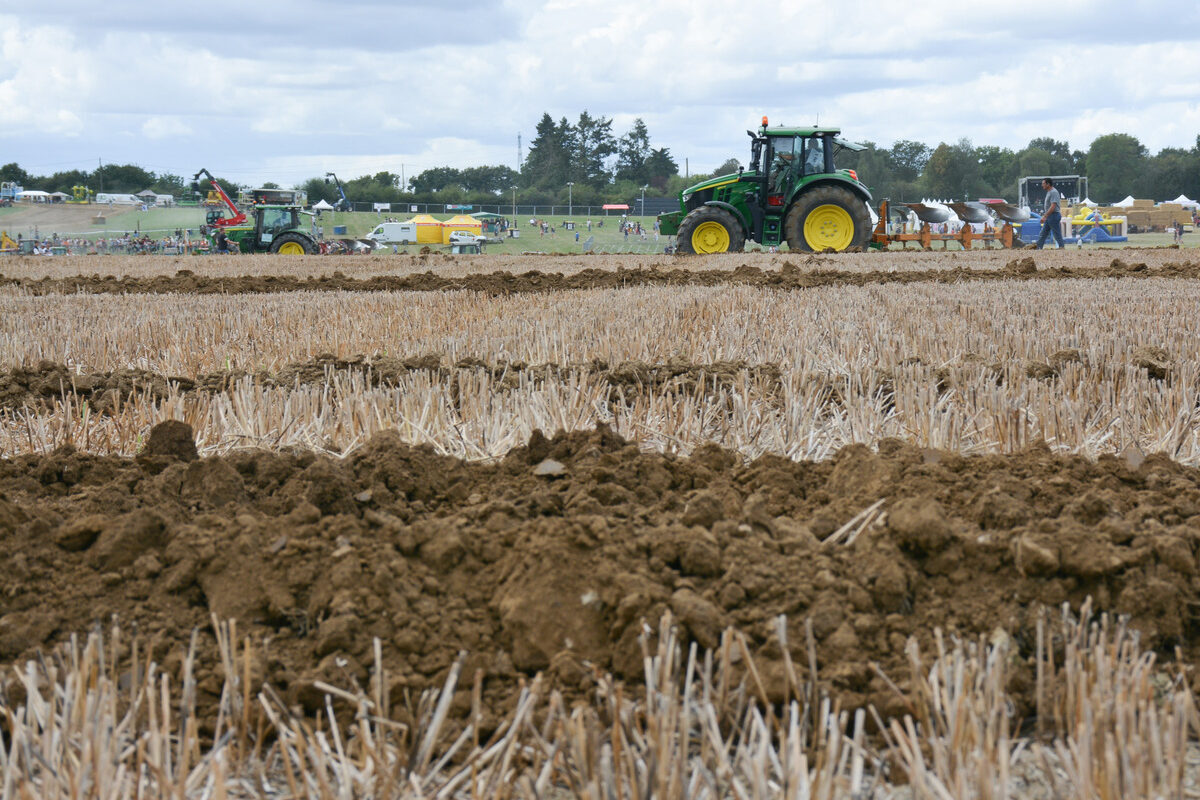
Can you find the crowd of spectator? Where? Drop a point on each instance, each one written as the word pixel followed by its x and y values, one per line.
pixel 117 244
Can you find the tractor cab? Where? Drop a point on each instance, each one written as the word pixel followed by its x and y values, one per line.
pixel 791 158
pixel 271 221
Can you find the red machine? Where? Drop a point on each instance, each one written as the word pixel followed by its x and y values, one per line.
pixel 215 219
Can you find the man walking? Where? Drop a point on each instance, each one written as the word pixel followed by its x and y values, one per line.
pixel 1052 215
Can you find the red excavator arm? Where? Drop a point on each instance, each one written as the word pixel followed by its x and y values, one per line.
pixel 238 217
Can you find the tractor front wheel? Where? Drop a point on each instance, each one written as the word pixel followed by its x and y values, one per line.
pixel 293 244
pixel 828 218
pixel 709 229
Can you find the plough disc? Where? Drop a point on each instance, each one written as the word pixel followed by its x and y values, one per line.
pixel 1010 213
pixel 929 213
pixel 972 212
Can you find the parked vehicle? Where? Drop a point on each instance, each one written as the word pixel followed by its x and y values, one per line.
pixel 394 233
pixel 463 237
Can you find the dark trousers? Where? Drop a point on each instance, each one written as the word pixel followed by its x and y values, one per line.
pixel 1051 226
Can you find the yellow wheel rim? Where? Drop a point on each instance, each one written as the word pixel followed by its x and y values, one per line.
pixel 828 226
pixel 710 237
pixel 291 249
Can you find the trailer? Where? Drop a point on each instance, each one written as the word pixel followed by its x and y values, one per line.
pixel 1031 195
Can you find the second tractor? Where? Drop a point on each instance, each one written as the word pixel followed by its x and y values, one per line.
pixel 273 228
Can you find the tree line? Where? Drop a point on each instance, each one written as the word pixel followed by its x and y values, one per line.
pixel 1116 165
pixel 111 178
pixel 603 167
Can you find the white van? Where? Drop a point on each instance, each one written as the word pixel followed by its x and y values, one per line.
pixel 107 198
pixel 394 233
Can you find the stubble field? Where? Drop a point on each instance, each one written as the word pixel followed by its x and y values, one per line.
pixel 855 464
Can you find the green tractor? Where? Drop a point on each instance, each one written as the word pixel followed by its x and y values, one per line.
pixel 272 228
pixel 791 192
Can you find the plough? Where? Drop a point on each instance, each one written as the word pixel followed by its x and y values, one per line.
pixel 999 229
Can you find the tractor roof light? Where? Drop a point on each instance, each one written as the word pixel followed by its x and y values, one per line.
pixel 764 120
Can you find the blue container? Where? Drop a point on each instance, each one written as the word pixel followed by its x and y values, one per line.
pixel 339 230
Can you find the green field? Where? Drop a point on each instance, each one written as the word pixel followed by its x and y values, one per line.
pixel 77 221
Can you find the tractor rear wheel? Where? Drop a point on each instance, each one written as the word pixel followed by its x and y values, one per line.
pixel 293 244
pixel 828 218
pixel 709 229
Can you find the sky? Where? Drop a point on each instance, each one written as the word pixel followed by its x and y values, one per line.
pixel 282 91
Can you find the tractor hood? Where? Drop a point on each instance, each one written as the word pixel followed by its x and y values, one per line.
pixel 713 183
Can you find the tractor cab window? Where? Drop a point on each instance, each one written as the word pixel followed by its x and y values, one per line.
pixel 783 163
pixel 813 161
pixel 276 220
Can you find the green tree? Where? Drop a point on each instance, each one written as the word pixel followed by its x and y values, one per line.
pixel 660 167
pixel 124 178
pixel 633 151
pixel 593 144
pixel 546 163
pixel 317 190
pixel 64 181
pixel 1033 161
pixel 909 159
pixel 435 180
pixel 727 167
pixel 489 179
pixel 13 172
pixel 1172 172
pixel 1115 161
pixel 1060 150
pixel 168 183
pixel 874 169
pixel 997 168
pixel 953 171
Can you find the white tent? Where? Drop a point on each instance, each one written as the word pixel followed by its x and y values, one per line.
pixel 35 196
pixel 1185 202
pixel 321 205
pixel 1126 203
pixel 1089 202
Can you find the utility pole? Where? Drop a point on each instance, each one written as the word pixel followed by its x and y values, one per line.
pixel 518 153
pixel 685 169
pixel 100 173
pixel 570 202
pixel 403 183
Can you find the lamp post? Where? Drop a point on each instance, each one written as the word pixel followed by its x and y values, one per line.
pixel 570 199
pixel 514 208
pixel 644 188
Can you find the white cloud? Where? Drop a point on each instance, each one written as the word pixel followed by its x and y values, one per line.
pixel 423 85
pixel 164 127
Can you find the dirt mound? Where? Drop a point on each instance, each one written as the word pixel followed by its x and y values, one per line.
pixel 552 557
pixel 499 283
pixel 41 385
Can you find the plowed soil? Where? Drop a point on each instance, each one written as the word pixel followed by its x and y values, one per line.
pixel 789 276
pixel 551 558
pixel 40 385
